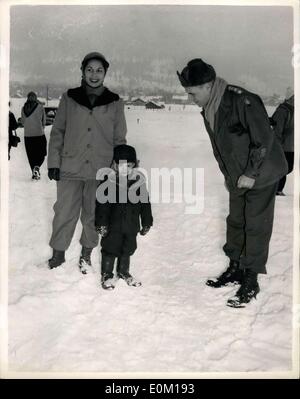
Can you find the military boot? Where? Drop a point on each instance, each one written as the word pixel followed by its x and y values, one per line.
pixel 232 275
pixel 248 290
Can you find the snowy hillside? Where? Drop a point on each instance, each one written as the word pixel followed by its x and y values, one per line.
pixel 61 320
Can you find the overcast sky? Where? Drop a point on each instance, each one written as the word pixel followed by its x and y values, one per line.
pixel 245 44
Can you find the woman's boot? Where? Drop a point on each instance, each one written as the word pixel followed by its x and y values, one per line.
pixel 85 264
pixel 58 257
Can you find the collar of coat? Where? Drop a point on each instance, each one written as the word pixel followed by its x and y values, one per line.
pixel 79 95
pixel 30 107
pixel 231 94
pixel 224 107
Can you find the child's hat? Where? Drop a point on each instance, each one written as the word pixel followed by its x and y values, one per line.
pixel 124 152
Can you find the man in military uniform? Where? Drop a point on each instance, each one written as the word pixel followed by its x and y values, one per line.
pixel 252 162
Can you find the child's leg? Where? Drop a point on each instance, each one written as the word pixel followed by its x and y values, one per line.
pixel 112 243
pixel 123 265
pixel 107 265
pixel 128 249
pixel 111 247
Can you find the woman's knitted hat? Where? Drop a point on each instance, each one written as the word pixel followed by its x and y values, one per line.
pixel 94 56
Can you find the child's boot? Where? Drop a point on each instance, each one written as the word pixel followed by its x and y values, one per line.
pixel 85 263
pixel 123 271
pixel 107 277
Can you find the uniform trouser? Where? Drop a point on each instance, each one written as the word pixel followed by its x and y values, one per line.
pixel 249 226
pixel 73 197
pixel 290 160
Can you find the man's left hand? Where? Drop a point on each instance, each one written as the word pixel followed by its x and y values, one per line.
pixel 245 182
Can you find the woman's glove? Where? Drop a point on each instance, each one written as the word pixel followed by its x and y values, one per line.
pixel 54 174
pixel 102 230
pixel 145 230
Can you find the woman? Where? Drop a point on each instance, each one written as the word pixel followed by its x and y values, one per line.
pixel 34 119
pixel 89 122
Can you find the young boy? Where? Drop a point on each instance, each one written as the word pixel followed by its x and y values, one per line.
pixel 118 215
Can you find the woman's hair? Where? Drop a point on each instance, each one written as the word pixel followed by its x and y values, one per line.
pixel 31 96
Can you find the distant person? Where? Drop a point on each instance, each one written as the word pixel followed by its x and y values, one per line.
pixel 12 127
pixel 283 125
pixel 252 162
pixel 119 222
pixel 89 122
pixel 34 120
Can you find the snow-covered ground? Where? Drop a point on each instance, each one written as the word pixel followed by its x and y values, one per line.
pixel 61 320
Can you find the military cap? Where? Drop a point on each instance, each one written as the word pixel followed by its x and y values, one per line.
pixel 196 73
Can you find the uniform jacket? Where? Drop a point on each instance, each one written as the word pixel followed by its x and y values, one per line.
pixel 127 216
pixel 243 141
pixel 83 135
pixel 283 125
pixel 35 122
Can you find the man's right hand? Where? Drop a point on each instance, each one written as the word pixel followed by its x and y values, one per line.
pixel 54 174
pixel 245 182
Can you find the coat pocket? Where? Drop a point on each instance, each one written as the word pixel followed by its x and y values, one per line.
pixel 70 164
pixel 240 161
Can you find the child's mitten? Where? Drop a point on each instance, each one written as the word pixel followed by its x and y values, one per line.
pixel 145 230
pixel 102 230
